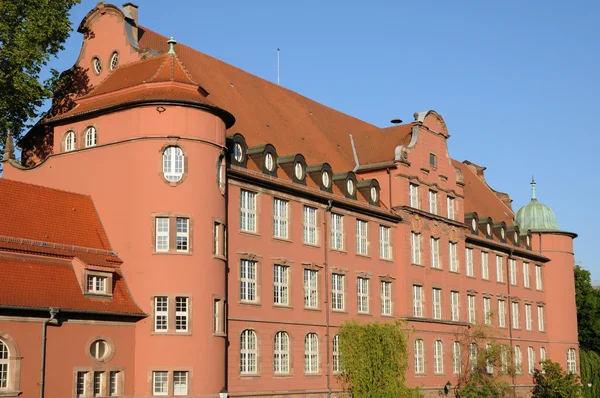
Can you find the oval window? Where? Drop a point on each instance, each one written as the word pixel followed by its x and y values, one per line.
pixel 516 237
pixel 97 64
pixel 269 163
pixel 238 152
pixel 373 194
pixel 474 224
pixel 489 229
pixel 528 241
pixel 350 187
pixel 325 179
pixel 502 234
pixel 298 171
pixel 114 60
pixel 99 349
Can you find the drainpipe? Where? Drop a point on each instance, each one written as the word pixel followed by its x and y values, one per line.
pixel 53 312
pixel 326 266
pixel 510 325
pixel 389 173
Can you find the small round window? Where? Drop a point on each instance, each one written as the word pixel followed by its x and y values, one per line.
pixel 269 162
pixel 373 194
pixel 114 60
pixel 298 171
pixel 325 179
pixel 350 187
pixel 238 152
pixel 99 350
pixel 97 65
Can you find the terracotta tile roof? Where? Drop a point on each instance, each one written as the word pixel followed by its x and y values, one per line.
pixel 31 283
pixel 380 145
pixel 50 215
pixel 480 198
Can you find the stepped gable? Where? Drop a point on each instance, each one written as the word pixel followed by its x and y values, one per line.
pixel 481 199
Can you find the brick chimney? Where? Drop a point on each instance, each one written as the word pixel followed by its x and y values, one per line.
pixel 132 9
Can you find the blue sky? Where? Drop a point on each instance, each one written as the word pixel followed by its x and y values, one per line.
pixel 517 82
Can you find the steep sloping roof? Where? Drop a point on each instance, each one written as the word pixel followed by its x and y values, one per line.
pixel 480 198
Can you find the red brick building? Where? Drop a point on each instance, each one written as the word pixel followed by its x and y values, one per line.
pixel 207 231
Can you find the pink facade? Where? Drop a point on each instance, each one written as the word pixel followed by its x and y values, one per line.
pixel 247 254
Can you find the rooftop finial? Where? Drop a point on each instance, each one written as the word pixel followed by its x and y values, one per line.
pixel 9 147
pixel 172 43
pixel 532 188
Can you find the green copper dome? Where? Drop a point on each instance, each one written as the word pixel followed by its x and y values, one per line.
pixel 536 216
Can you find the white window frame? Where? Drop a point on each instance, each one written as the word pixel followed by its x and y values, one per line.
pixel 281 284
pixel 414 195
pixel 248 352
pixel 162 234
pixel 455 306
pixel 485 266
pixel 499 269
pixel 337 231
pixel 435 253
pixel 90 137
pixel 80 384
pixel 247 211
pixel 471 308
pixel 113 383
pixel 530 360
pixel 540 314
pixel 182 314
pixel 473 354
pixel 433 205
pixel 335 351
pixel 456 359
pixel 526 280
pixel 248 281
pixel 489 365
pixel 515 314
pixel 438 357
pixel 280 218
pixel 362 238
pixel 543 354
pixel 513 271
pixel 161 314
pixel 182 240
pixel 337 291
pixel 311 353
pixel 70 141
pixel 487 310
pixel 418 301
pixel 173 163
pixel 96 284
pixel 436 300
pixel 281 353
pixel 415 248
pixel 386 297
pixel 98 383
pixel 309 217
pixel 311 288
pixel 518 360
pixel 362 292
pixel 385 246
pixel 180 382
pixel 419 348
pixel 450 202
pixel 571 361
pixel 452 256
pixel 469 261
pixel 538 278
pixel 501 313
pixel 160 382
pixel 528 317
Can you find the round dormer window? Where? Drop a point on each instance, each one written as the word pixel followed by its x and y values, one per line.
pixel 114 60
pixel 489 229
pixel 238 152
pixel 325 179
pixel 474 224
pixel 373 194
pixel 350 187
pixel 503 234
pixel 298 171
pixel 97 64
pixel 516 237
pixel 269 163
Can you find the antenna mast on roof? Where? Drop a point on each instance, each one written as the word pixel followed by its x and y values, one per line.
pixel 278 66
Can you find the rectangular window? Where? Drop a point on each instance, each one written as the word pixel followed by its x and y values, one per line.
pixel 96 284
pixel 248 281
pixel 513 271
pixel 499 269
pixel 309 216
pixel 114 383
pixel 415 248
pixel 526 281
pixel 161 313
pixel 489 365
pixel 528 319
pixel 280 285
pixel 362 290
pixel 469 260
pixel 414 196
pixel 81 384
pixel 450 203
pixel 540 311
pixel 361 237
pixel 219 239
pixel 471 307
pixel 538 277
pixel 454 306
pixel 485 269
pixel 433 202
pixel 337 292
pixel 385 246
pixel 435 253
pixel 311 292
pixel 183 234
pixel 180 383
pixel 501 313
pixel 181 314
pixel 437 303
pixel 571 361
pixel 487 310
pixel 386 298
pixel 432 160
pixel 456 357
pixel 418 301
pixel 247 211
pixel 518 360
pixel 218 316
pixel 530 360
pixel 452 257
pixel 160 383
pixel 162 234
pixel 337 231
pixel 98 383
pixel 280 218
pixel 515 315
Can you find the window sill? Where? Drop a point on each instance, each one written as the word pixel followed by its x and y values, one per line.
pixel 312 375
pixel 389 260
pixel 219 257
pixel 283 240
pixel 439 269
pixel 313 245
pixel 454 272
pixel 500 282
pixel 249 376
pixel 282 375
pixel 283 306
pixel 341 251
pixel 170 333
pixel 249 233
pixel 220 334
pixel 7 394
pixel 364 314
pixel 250 303
pixel 471 276
pixel 333 310
pixel 312 309
pixel 417 265
pixel 388 316
pixel 363 255
pixel 173 253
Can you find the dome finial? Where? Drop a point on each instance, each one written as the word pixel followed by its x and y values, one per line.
pixel 532 188
pixel 172 43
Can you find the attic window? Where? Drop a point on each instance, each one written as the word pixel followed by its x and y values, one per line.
pixel 96 284
pixel 299 171
pixel 97 65
pixel 114 60
pixel 325 179
pixel 269 163
pixel 374 194
pixel 238 152
pixel 433 160
pixel 350 186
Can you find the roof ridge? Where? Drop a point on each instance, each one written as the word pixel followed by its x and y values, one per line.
pixel 54 245
pixel 44 187
pixel 160 68
pixel 185 70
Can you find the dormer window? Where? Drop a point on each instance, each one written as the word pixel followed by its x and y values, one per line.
pixel 474 224
pixel 488 229
pixel 96 284
pixel 173 163
pixel 374 194
pixel 350 187
pixel 502 234
pixel 299 171
pixel 70 141
pixel 269 162
pixel 90 137
pixel 238 152
pixel 326 179
pixel 369 189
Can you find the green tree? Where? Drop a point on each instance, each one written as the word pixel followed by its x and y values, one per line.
pixel 590 373
pixel 31 32
pixel 373 357
pixel 588 310
pixel 554 382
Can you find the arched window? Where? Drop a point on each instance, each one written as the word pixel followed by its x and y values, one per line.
pixel 419 356
pixel 530 360
pixel 336 354
pixel 473 356
pixel 173 163
pixel 248 352
pixel 571 361
pixel 4 369
pixel 438 357
pixel 90 137
pixel 456 366
pixel 281 353
pixel 70 141
pixel 311 353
